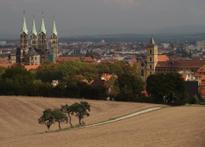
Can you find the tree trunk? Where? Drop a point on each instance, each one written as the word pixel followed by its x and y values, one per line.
pixel 48 127
pixel 80 121
pixel 70 121
pixel 59 125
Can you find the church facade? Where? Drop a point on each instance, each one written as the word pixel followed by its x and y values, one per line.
pixel 36 47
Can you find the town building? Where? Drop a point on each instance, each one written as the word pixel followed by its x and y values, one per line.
pixel 151 58
pixel 200 44
pixel 153 63
pixel 192 70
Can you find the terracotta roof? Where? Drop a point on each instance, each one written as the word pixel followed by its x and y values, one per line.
pixel 31 67
pixel 194 63
pixel 4 63
pixel 163 58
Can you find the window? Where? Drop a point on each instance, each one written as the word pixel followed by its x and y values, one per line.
pixel 150 59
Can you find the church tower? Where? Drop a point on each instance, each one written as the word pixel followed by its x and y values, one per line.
pixel 34 36
pixel 54 43
pixel 42 42
pixel 152 58
pixel 24 43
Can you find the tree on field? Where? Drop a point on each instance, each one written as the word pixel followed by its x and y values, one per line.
pixel 69 110
pixel 47 118
pixel 81 110
pixel 59 117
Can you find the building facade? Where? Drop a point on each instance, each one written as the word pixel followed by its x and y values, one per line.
pixel 24 42
pixel 151 58
pixel 54 44
pixel 37 48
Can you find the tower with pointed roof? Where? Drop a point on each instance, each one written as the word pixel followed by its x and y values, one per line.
pixel 54 43
pixel 34 46
pixel 42 42
pixel 151 58
pixel 24 42
pixel 34 36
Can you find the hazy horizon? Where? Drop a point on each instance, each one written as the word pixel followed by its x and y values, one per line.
pixel 90 17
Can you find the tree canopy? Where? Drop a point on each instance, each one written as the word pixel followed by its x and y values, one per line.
pixel 74 79
pixel 50 116
pixel 166 88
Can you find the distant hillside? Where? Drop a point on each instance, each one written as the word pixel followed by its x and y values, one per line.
pixel 138 37
pixel 188 29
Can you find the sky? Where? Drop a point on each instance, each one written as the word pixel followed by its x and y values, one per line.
pixel 88 17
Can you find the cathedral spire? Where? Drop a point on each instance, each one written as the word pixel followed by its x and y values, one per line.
pixel 54 30
pixel 34 32
pixel 24 27
pixel 43 27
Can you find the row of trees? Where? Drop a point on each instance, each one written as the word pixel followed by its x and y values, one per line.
pixel 75 79
pixel 64 114
pixel 83 80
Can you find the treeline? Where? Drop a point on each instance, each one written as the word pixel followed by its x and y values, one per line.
pixel 118 81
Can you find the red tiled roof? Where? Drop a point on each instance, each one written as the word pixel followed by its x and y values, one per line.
pixel 163 58
pixel 4 63
pixel 31 67
pixel 194 63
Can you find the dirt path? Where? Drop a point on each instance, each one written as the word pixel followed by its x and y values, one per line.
pixel 125 117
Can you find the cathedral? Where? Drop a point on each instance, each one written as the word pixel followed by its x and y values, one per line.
pixel 36 47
